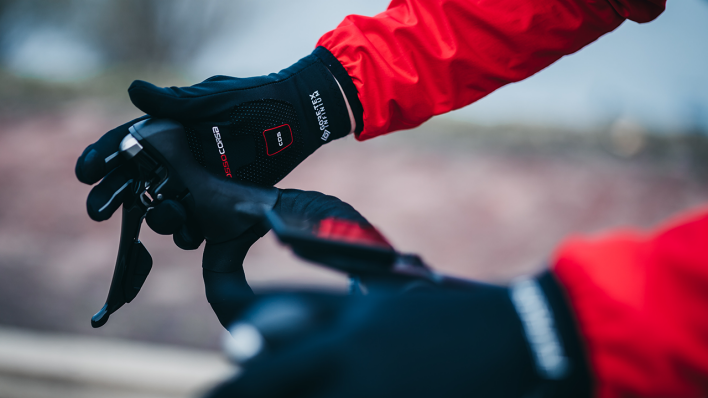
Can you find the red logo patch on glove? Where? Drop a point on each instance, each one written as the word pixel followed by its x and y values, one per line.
pixel 277 139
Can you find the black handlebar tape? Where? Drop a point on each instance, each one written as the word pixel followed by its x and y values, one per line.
pixel 132 265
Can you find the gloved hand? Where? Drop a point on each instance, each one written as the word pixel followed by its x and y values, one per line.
pixel 195 204
pixel 259 129
pixel 488 342
pixel 254 131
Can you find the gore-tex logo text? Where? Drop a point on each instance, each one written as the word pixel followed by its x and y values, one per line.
pixel 222 151
pixel 321 114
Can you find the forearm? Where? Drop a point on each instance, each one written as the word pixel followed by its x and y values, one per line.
pixel 640 300
pixel 424 58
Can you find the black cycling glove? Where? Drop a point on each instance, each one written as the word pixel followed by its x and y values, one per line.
pixel 491 341
pixel 259 129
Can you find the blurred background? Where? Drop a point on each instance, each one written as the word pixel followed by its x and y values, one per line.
pixel 612 136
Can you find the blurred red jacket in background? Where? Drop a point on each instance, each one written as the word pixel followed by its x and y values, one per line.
pixel 640 299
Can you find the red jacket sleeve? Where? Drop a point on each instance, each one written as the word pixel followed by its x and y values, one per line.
pixel 641 302
pixel 421 58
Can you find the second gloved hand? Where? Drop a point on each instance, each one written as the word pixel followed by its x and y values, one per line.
pixel 489 341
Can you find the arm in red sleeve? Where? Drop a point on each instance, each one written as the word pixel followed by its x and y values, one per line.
pixel 422 58
pixel 641 303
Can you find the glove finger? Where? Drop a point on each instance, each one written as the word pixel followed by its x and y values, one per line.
pixel 105 198
pixel 189 236
pixel 204 101
pixel 167 217
pixel 99 158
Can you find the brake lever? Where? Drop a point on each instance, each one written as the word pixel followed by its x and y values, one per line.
pixel 134 262
pixel 159 151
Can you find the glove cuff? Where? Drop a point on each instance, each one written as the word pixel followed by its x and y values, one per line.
pixel 345 81
pixel 552 334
